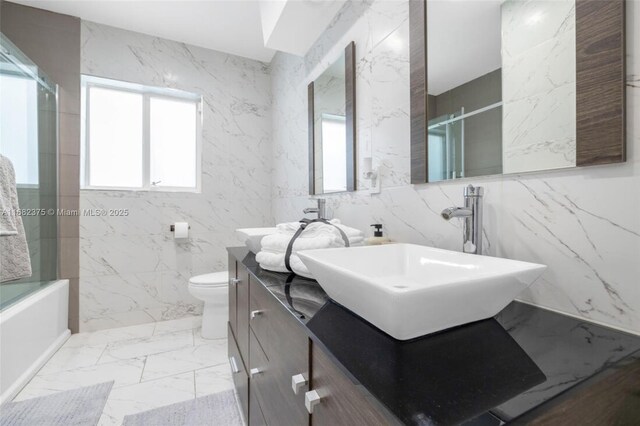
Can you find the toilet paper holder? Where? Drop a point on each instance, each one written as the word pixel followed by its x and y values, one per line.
pixel 172 228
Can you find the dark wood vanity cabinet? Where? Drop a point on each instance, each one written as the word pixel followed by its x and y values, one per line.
pixel 341 402
pixel 279 351
pixel 238 373
pixel 272 360
pixel 242 312
pixel 233 278
pixel 288 372
pixel 238 331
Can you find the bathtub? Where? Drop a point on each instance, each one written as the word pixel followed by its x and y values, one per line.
pixel 31 330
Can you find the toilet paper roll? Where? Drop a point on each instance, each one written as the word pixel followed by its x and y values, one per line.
pixel 181 230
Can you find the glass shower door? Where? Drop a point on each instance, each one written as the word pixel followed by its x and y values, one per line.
pixel 446 147
pixel 29 139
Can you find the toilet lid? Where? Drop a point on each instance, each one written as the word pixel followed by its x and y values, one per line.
pixel 214 279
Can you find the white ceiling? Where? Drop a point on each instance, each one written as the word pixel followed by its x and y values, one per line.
pixel 225 25
pixel 293 26
pixel 463 41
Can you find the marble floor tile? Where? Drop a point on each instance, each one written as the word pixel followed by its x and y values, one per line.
pixel 152 365
pixel 146 396
pixel 111 335
pixel 135 348
pixel 188 323
pixel 185 359
pixel 199 340
pixel 68 358
pixel 123 373
pixel 213 379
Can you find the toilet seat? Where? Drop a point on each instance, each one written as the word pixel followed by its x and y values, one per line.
pixel 212 280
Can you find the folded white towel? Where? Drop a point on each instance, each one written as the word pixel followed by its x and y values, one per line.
pixel 275 262
pixel 280 242
pixel 316 235
pixel 316 228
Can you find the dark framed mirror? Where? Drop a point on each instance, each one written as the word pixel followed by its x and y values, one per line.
pixel 515 86
pixel 332 129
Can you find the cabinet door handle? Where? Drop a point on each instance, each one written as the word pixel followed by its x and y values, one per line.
pixel 235 281
pixel 298 382
pixel 311 399
pixel 234 365
pixel 255 314
pixel 254 372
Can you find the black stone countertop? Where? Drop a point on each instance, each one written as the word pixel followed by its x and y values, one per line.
pixel 485 373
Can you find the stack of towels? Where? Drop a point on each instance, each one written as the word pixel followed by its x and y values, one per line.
pixel 317 235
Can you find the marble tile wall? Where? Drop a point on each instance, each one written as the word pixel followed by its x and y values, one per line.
pixel 538 85
pixel 583 223
pixel 131 269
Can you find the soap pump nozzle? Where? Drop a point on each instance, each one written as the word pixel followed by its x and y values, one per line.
pixel 378 229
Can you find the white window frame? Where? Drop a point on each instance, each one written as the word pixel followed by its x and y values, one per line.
pixel 147 93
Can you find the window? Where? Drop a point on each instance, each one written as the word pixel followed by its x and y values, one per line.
pixel 140 138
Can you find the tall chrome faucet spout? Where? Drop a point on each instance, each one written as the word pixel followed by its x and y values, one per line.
pixel 452 212
pixel 472 214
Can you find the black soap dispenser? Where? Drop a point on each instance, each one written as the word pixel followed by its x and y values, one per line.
pixel 378 237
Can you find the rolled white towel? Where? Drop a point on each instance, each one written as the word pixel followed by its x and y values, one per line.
pixel 280 242
pixel 356 241
pixel 272 261
pixel 316 235
pixel 275 262
pixel 316 228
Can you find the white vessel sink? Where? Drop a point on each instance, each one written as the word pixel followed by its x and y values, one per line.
pixel 252 237
pixel 408 290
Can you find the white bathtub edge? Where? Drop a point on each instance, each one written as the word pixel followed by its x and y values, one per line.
pixel 35 327
pixel 22 381
pixel 16 308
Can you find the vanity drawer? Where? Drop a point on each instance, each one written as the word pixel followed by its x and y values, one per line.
pixel 278 332
pixel 242 313
pixel 341 402
pixel 260 375
pixel 238 373
pixel 271 384
pixel 256 418
pixel 280 340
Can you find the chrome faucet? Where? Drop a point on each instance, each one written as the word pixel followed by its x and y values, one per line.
pixel 472 214
pixel 320 210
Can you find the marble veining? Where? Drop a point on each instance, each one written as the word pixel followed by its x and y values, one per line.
pixel 582 222
pixel 236 182
pixel 538 85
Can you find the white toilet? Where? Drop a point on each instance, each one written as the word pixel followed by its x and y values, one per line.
pixel 213 289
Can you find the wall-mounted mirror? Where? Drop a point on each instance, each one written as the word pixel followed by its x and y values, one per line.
pixel 512 86
pixel 332 110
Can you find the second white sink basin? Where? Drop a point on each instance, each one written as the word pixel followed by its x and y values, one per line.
pixel 408 290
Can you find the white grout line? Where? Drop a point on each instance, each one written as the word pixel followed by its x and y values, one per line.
pixel 143 367
pixel 195 392
pixel 101 353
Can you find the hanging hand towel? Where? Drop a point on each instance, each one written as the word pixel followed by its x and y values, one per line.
pixel 14 252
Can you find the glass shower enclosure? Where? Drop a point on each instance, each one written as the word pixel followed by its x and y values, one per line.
pixel 29 139
pixel 446 147
pixel 465 143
